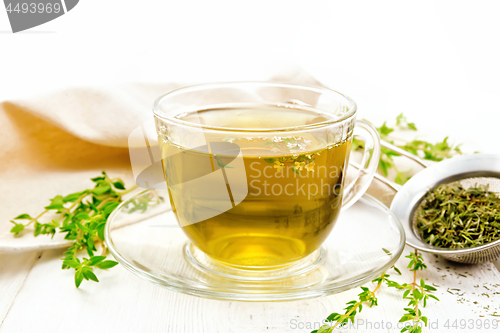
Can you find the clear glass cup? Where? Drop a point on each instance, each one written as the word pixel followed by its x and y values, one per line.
pixel 256 171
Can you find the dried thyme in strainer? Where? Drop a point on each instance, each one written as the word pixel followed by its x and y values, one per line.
pixel 452 216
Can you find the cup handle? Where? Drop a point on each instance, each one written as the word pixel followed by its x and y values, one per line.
pixel 368 165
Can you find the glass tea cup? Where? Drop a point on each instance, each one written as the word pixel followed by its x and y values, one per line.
pixel 256 171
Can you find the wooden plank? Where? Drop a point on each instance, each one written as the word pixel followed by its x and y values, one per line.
pixel 14 270
pixel 49 302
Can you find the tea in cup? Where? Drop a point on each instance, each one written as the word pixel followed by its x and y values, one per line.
pixel 256 172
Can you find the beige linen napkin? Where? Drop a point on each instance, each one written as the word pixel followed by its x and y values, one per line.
pixel 53 144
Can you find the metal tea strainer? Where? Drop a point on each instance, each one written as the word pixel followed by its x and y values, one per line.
pixel 469 171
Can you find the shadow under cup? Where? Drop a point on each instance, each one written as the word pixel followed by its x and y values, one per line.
pixel 255 171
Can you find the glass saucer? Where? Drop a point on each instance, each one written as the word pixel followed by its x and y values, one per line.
pixel 143 235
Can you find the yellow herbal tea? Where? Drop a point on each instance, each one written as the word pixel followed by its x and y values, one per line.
pixel 255 199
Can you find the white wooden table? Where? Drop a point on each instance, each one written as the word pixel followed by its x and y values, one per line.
pixel 37 296
pixel 435 61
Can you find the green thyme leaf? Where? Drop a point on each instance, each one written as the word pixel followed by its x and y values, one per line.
pixel 101 188
pixel 401 178
pixel 71 263
pixel 90 275
pixel 384 130
pixel 23 217
pixel 357 144
pixel 78 278
pixel 55 206
pixel 96 260
pixel 119 184
pixel 17 228
pixel 107 264
pixel 73 196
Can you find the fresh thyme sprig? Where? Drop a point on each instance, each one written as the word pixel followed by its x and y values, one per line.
pixel 425 150
pixel 353 307
pixel 416 293
pixel 81 216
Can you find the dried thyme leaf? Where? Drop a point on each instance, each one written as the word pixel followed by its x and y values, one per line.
pixel 451 216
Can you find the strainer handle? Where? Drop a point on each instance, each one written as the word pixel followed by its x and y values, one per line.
pixel 368 166
pixel 402 152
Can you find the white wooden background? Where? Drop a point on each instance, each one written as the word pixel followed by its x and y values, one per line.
pixel 437 61
pixel 37 296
